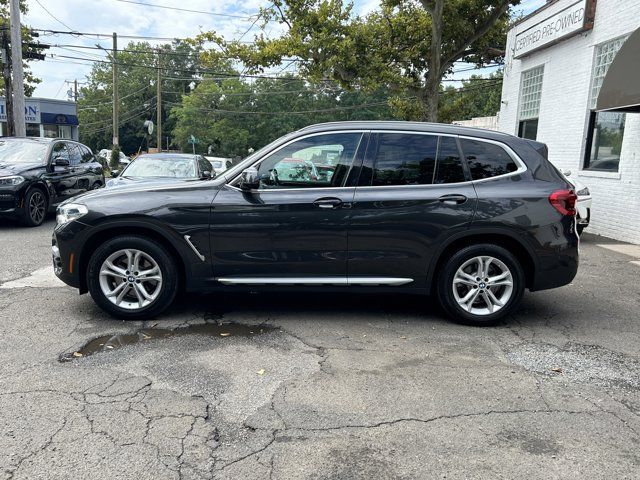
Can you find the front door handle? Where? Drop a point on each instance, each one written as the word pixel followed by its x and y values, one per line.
pixel 453 199
pixel 327 203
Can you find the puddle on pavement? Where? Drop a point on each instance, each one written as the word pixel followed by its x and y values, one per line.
pixel 107 343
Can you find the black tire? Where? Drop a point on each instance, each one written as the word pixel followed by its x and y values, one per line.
pixel 447 274
pixel 36 207
pixel 580 228
pixel 96 185
pixel 165 262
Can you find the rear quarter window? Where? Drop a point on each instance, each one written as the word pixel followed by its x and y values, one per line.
pixel 486 160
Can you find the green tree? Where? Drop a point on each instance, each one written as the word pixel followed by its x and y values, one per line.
pixel 478 97
pixel 406 46
pixel 232 115
pixel 137 89
pixel 30 81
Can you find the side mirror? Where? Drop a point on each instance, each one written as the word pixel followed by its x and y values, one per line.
pixel 206 175
pixel 249 179
pixel 61 162
pixel 114 173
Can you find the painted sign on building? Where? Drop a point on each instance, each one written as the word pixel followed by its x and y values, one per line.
pixel 569 21
pixel 31 111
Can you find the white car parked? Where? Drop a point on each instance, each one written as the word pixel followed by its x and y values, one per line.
pixel 583 205
pixel 220 164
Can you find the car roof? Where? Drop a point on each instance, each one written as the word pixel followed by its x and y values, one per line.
pixel 185 156
pixel 30 139
pixel 411 126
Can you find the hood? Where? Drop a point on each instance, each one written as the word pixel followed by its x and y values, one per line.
pixel 7 169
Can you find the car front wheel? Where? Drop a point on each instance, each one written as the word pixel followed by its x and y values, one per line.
pixel 132 278
pixel 35 208
pixel 480 284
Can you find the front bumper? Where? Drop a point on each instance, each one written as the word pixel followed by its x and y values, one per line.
pixel 66 246
pixel 10 203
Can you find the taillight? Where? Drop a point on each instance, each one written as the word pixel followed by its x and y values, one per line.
pixel 564 201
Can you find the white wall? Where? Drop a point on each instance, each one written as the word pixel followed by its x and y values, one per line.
pixel 562 123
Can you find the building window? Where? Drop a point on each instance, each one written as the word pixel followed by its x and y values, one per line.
pixel 50 131
pixel 33 129
pixel 530 94
pixel 604 141
pixel 64 131
pixel 606 129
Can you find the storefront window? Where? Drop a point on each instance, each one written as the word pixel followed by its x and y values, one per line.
pixel 530 95
pixel 64 131
pixel 33 129
pixel 606 130
pixel 50 131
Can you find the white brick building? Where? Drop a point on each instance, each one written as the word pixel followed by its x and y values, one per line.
pixel 556 59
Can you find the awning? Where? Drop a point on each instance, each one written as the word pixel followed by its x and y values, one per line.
pixel 620 90
pixel 58 118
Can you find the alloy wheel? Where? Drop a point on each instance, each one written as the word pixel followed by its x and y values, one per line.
pixel 482 285
pixel 37 207
pixel 130 279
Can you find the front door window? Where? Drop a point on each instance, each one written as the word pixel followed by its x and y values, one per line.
pixel 312 162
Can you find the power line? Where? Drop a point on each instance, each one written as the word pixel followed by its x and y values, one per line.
pixel 221 75
pixel 88 107
pixel 53 16
pixel 180 9
pixel 105 35
pixel 299 112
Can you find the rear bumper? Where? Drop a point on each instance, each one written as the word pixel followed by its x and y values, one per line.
pixel 558 257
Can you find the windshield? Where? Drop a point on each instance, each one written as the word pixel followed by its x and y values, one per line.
pixel 169 167
pixel 22 152
pixel 216 163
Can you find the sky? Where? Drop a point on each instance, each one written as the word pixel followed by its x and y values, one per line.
pixel 231 18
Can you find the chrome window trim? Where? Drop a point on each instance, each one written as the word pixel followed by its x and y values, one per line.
pixel 235 179
pixel 522 167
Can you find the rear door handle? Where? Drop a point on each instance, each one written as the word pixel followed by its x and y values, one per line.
pixel 327 203
pixel 453 199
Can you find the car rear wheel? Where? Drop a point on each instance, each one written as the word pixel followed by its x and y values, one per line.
pixel 481 284
pixel 132 278
pixel 35 208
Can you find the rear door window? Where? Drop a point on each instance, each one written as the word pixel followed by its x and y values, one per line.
pixel 486 160
pixel 415 159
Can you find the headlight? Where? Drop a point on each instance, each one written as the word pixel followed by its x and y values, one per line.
pixel 70 211
pixel 14 180
pixel 582 193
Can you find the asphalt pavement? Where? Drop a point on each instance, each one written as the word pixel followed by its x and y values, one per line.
pixel 318 386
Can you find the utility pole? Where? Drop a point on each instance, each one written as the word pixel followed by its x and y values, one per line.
pixel 75 90
pixel 18 76
pixel 114 68
pixel 6 74
pixel 159 106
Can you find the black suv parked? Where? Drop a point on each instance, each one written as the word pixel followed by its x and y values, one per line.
pixel 473 216
pixel 36 174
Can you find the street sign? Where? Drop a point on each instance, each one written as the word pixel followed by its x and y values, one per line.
pixel 193 140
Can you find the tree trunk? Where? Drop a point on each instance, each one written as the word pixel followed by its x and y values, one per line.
pixel 434 75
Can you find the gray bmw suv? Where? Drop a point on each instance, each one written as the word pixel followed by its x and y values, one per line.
pixel 470 217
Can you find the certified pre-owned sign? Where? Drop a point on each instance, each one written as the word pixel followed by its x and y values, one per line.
pixel 569 21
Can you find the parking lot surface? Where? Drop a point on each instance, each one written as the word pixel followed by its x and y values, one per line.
pixel 318 386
